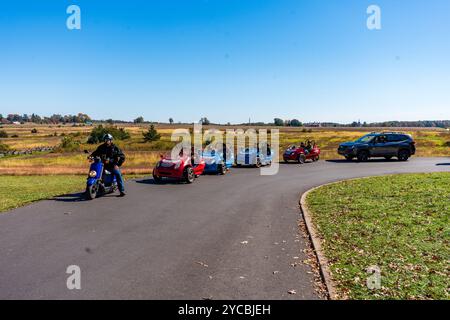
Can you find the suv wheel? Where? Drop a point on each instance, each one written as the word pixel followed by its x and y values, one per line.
pixel 363 156
pixel 348 158
pixel 403 155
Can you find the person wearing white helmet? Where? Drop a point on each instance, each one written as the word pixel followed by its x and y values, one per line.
pixel 115 158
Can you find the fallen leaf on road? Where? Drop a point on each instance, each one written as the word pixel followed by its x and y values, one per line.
pixel 292 292
pixel 202 264
pixel 244 242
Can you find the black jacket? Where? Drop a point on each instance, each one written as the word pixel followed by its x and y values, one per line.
pixel 111 152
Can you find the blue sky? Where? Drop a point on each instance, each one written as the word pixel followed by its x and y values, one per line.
pixel 228 60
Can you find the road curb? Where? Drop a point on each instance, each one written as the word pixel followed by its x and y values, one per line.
pixel 325 272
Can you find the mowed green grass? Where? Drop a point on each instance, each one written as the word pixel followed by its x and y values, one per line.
pixel 399 223
pixel 17 191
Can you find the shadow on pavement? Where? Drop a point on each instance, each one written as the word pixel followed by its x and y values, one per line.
pixel 243 167
pixel 163 182
pixel 78 197
pixel 443 164
pixel 356 161
pixel 296 162
pixel 146 181
pixel 74 197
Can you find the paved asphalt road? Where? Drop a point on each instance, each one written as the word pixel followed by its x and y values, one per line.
pixel 176 241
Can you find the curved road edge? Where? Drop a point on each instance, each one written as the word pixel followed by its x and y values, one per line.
pixel 316 243
pixel 315 239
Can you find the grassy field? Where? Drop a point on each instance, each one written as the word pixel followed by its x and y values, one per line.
pixel 399 223
pixel 16 191
pixel 142 156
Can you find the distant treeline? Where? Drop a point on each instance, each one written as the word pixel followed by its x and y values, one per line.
pixel 388 124
pixel 54 119
pixel 356 124
pixel 425 123
pixel 84 118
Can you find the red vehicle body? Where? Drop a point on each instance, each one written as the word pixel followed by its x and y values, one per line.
pixel 180 169
pixel 299 154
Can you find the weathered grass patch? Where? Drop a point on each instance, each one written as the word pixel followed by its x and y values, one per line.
pixel 141 156
pixel 399 223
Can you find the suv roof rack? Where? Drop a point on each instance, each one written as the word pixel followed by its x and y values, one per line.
pixel 388 132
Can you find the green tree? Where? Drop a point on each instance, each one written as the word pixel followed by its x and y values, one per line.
pixel 82 118
pixel 151 135
pixel 139 120
pixel 170 120
pixel 68 144
pixel 295 123
pixel 278 122
pixel 204 121
pixel 35 118
pixel 97 134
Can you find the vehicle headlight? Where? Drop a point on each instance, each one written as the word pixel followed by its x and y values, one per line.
pixel 92 173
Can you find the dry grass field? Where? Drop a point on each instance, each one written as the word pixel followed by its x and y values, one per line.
pixel 142 156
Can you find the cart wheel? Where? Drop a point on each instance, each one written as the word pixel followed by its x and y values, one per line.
pixel 156 178
pixel 189 175
pixel 222 169
pixel 258 163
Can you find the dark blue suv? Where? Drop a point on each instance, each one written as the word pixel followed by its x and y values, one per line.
pixel 379 144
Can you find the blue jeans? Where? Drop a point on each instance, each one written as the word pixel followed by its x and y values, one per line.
pixel 118 175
